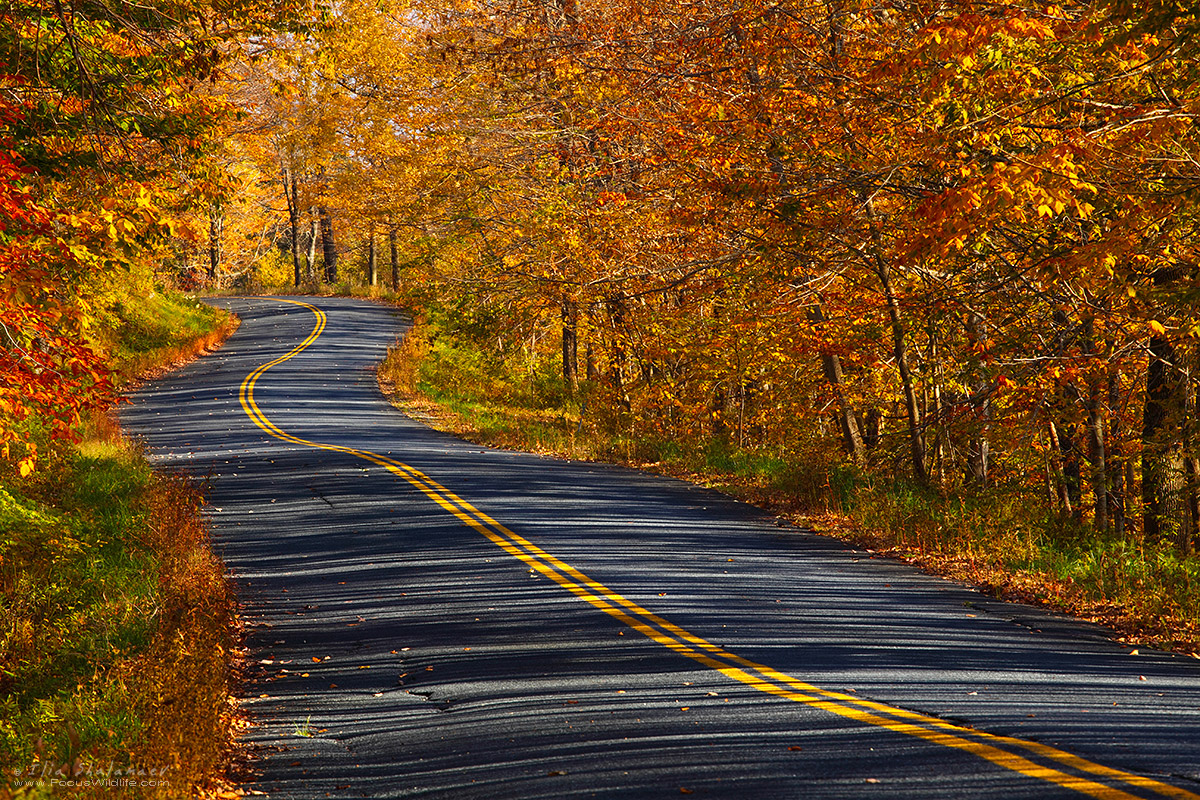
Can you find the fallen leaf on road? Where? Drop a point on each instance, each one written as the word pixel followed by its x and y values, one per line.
pixel 795 747
pixel 316 659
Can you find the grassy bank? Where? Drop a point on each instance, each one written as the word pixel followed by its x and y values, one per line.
pixel 1007 541
pixel 115 617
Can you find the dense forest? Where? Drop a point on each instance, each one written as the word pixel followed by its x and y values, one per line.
pixel 948 243
pixel 929 265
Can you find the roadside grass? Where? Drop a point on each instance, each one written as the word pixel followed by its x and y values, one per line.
pixel 116 636
pixel 154 333
pixel 1007 542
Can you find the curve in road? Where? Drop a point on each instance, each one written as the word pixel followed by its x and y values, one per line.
pixel 1037 762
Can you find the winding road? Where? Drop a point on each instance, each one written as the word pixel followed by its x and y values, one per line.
pixel 430 618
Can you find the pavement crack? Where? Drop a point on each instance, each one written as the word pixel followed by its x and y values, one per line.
pixel 317 493
pixel 442 704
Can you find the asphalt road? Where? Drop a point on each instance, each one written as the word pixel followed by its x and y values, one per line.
pixel 429 618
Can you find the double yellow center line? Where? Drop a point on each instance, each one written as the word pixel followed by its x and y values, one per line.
pixel 1027 758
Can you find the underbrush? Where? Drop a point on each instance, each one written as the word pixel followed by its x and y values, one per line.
pixel 116 633
pixel 160 330
pixel 1006 541
pixel 1015 545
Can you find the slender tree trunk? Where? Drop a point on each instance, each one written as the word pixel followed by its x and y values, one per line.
pixel 310 263
pixel 328 246
pixel 616 367
pixel 979 436
pixel 1116 462
pixel 1162 445
pixel 289 192
pixel 1190 534
pixel 916 438
pixel 372 259
pixel 589 352
pixel 1072 466
pixel 872 427
pixel 395 258
pixel 831 365
pixel 1062 490
pixel 1097 456
pixel 216 222
pixel 570 344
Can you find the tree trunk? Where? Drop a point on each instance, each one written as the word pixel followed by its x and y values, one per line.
pixel 589 352
pixel 979 436
pixel 289 192
pixel 372 259
pixel 1062 490
pixel 1116 463
pixel 899 350
pixel 328 246
pixel 310 263
pixel 616 366
pixel 872 427
pixel 570 344
pixel 216 222
pixel 916 438
pixel 831 365
pixel 1162 446
pixel 1072 467
pixel 1098 456
pixel 395 258
pixel 1189 538
pixel 1096 445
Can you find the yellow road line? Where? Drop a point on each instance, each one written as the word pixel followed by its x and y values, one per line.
pixel 758 676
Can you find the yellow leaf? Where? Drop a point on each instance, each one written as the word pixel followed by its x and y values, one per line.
pixel 1157 327
pixel 25 465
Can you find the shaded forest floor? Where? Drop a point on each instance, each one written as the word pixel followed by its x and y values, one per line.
pixel 1002 541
